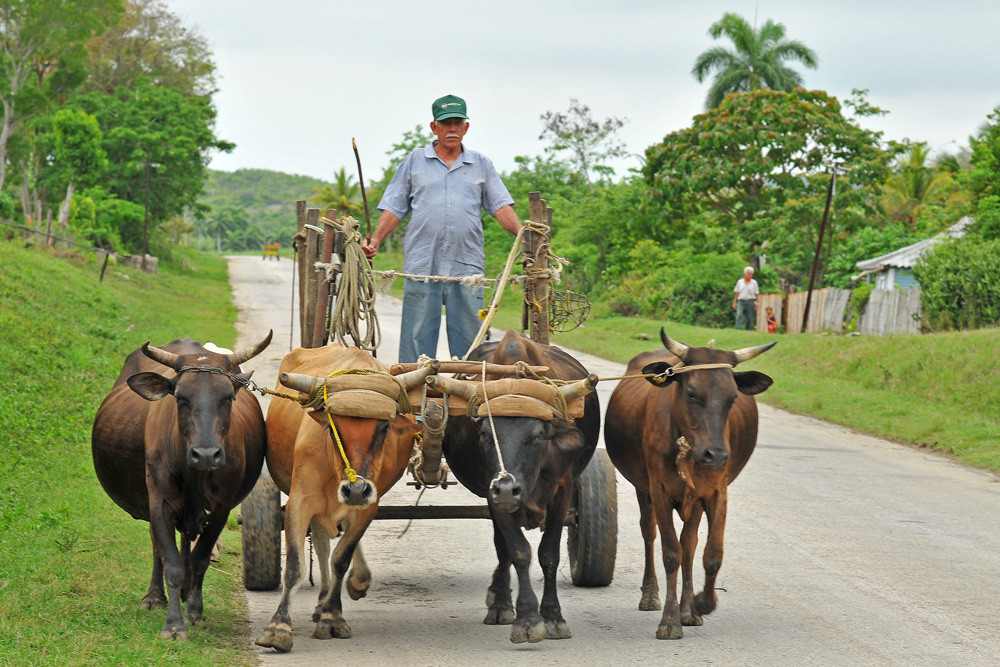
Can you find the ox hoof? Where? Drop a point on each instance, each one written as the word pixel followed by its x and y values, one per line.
pixel 280 639
pixel 670 631
pixel 527 632
pixel 151 602
pixel 332 628
pixel 650 603
pixel 357 589
pixel 557 630
pixel 194 618
pixel 499 616
pixel 175 634
pixel 704 603
pixel 691 618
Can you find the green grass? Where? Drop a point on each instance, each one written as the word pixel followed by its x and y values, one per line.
pixel 73 566
pixel 939 391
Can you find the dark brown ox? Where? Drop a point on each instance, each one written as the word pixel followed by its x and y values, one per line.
pixel 306 463
pixel 681 439
pixel 543 458
pixel 176 443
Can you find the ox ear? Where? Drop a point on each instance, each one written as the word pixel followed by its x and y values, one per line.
pixel 566 438
pixel 658 369
pixel 151 386
pixel 752 383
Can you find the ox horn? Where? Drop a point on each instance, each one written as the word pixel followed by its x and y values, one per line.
pixel 251 352
pixel 300 382
pixel 747 353
pixel 679 350
pixel 446 385
pixel 168 359
pixel 579 388
pixel 413 379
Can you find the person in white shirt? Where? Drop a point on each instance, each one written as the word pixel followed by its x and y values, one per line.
pixel 745 300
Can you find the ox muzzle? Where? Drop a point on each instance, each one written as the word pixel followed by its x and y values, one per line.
pixel 206 456
pixel 506 494
pixel 359 493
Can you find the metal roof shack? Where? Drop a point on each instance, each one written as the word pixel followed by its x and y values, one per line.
pixel 894 269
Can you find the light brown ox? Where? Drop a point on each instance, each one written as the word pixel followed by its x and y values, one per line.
pixel 681 438
pixel 305 462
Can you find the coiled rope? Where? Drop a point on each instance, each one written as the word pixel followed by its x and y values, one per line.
pixel 356 292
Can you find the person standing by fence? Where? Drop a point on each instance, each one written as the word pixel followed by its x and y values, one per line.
pixel 745 300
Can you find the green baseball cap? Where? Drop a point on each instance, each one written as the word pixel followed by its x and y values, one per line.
pixel 448 106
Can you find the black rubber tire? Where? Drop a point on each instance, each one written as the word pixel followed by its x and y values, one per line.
pixel 592 531
pixel 261 532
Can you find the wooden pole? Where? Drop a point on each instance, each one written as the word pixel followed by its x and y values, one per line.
pixel 819 247
pixel 312 255
pixel 535 314
pixel 299 246
pixel 320 330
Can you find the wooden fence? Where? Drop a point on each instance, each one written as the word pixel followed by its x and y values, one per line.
pixel 888 311
pixel 826 310
pixel 892 311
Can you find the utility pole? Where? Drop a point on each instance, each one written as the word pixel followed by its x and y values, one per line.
pixel 834 169
pixel 145 217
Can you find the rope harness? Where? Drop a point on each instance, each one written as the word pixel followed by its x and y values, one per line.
pixel 246 383
pixel 496 442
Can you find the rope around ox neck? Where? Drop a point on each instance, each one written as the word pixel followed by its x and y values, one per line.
pixel 496 442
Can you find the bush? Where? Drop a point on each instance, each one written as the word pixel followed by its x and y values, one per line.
pixel 681 287
pixel 960 284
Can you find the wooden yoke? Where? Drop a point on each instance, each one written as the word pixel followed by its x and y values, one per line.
pixel 537 288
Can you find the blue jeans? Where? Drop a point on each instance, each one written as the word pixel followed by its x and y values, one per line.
pixel 746 314
pixel 422 318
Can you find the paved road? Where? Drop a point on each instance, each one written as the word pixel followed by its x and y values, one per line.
pixel 841 549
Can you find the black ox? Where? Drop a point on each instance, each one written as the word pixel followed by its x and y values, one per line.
pixel 177 444
pixel 543 458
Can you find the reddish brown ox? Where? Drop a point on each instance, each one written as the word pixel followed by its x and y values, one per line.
pixel 305 461
pixel 176 443
pixel 681 439
pixel 542 459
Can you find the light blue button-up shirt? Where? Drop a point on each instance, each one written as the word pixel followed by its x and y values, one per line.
pixel 445 235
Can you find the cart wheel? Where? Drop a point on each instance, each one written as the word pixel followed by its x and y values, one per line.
pixel 261 532
pixel 592 532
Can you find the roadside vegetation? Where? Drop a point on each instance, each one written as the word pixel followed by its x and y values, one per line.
pixel 73 565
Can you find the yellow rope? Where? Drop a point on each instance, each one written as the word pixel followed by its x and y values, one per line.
pixel 348 470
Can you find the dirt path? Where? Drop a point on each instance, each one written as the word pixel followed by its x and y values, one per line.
pixel 840 549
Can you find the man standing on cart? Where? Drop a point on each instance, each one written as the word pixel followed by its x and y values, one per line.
pixel 446 187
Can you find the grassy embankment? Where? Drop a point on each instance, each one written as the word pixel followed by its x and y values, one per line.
pixel 939 391
pixel 73 566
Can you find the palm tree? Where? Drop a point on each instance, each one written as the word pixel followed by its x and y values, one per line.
pixel 913 186
pixel 757 62
pixel 343 196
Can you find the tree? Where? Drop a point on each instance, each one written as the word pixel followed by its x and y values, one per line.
pixel 343 196
pixel 158 143
pixel 757 61
pixel 78 153
pixel 149 41
pixel 588 141
pixel 34 36
pixel 913 185
pixel 756 164
pixel 225 221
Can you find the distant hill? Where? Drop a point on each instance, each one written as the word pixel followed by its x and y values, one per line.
pixel 268 197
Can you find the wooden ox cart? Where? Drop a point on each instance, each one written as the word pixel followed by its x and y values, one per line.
pixel 591 522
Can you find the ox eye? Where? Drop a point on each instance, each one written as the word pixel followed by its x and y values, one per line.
pixel 181 401
pixel 689 392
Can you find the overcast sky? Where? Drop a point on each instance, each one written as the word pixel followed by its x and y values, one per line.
pixel 299 78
